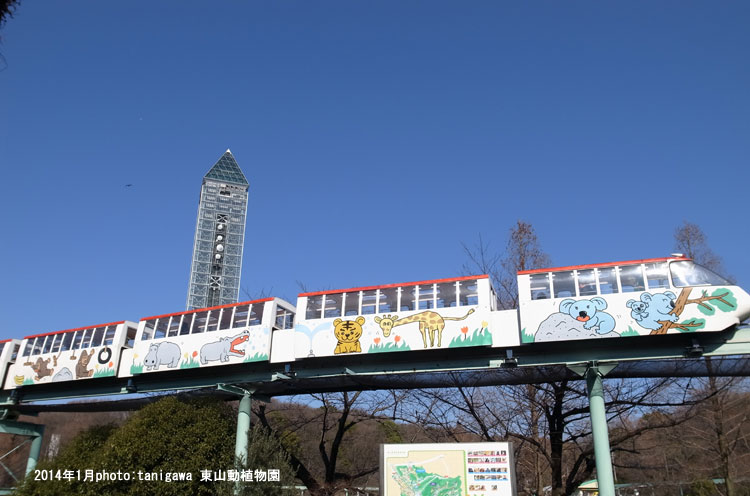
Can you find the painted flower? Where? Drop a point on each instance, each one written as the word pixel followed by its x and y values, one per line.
pixel 484 324
pixel 377 340
pixel 111 364
pixel 195 354
pixel 464 329
pixel 185 355
pixel 397 338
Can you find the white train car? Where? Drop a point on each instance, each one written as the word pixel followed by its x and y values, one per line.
pixel 74 354
pixel 621 299
pixel 207 337
pixel 435 314
pixel 8 353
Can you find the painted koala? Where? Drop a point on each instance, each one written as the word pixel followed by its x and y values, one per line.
pixel 347 333
pixel 638 309
pixel 658 305
pixel 590 313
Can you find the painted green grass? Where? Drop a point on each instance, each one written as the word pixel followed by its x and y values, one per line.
pixel 104 373
pixel 28 382
pixel 480 337
pixel 258 357
pixel 193 363
pixel 136 369
pixel 629 332
pixel 526 337
pixel 386 347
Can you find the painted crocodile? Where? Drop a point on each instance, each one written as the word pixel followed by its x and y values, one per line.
pixel 224 348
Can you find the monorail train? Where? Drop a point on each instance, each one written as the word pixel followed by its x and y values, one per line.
pixel 610 300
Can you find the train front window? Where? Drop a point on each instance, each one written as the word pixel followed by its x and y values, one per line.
pixel 607 280
pixel 656 275
pixel 539 286
pixel 586 282
pixel 631 278
pixel 686 273
pixel 284 318
pixel 563 284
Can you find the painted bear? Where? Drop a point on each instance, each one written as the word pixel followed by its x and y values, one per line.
pixel 638 309
pixel 347 333
pixel 590 313
pixel 658 306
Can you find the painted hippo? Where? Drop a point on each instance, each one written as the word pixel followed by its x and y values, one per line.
pixel 161 354
pixel 224 348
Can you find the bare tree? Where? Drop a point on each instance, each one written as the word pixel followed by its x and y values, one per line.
pixel 691 241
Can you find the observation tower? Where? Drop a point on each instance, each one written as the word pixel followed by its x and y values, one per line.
pixel 219 236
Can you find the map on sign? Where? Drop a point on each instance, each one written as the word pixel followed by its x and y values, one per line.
pixel 427 473
pixel 447 469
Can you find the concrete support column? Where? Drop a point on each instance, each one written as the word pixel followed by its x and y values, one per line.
pixel 604 475
pixel 243 426
pixel 36 449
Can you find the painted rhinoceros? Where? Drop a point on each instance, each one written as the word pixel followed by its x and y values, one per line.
pixel 224 348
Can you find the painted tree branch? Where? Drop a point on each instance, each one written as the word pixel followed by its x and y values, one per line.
pixel 679 307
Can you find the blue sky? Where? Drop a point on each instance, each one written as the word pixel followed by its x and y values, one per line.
pixel 376 136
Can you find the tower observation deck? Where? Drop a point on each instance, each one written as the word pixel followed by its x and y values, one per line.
pixel 219 236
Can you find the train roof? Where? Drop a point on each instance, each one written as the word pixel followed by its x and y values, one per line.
pixel 384 286
pixel 72 330
pixel 228 305
pixel 606 264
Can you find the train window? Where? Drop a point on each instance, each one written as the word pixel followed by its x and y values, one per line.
pixel 586 282
pixel 186 324
pixel 28 348
pixel 369 301
pixel 174 325
pixel 256 314
pixel 607 280
pixel 15 352
pixel 351 303
pixel 226 318
pixel 687 273
pixel 148 330
pixel 98 335
pixel 67 341
pixel 426 295
pixel 468 293
pixel 240 315
pixel 87 338
pixel 388 300
pixel 563 284
pixel 56 343
pixel 333 303
pixel 284 318
pixel 2 347
pixel 406 298
pixel 109 335
pixel 48 344
pixel 130 337
pixel 656 275
pixel 37 346
pixel 77 340
pixel 161 328
pixel 314 307
pixel 446 295
pixel 213 320
pixel 631 278
pixel 539 286
pixel 199 324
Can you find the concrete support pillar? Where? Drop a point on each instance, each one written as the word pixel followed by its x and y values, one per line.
pixel 243 426
pixel 604 475
pixel 36 449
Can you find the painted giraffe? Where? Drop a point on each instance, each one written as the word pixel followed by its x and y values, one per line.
pixel 428 321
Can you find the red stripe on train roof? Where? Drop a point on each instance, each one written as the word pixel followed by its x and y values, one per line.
pixel 206 309
pixel 607 264
pixel 382 286
pixel 4 341
pixel 72 330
